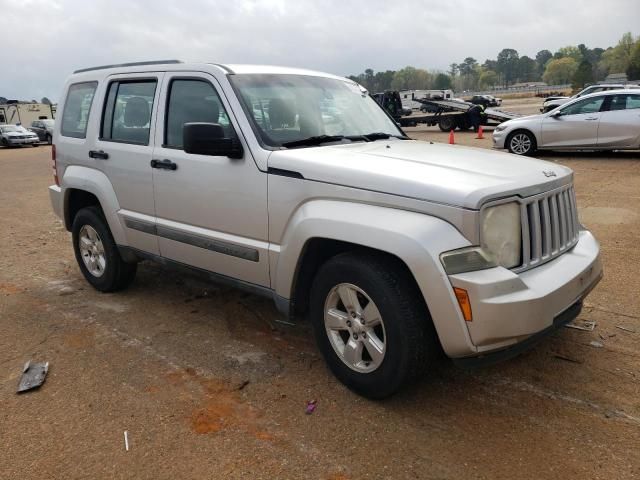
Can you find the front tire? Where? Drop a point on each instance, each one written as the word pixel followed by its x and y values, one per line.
pixel 49 140
pixel 97 253
pixel 370 323
pixel 521 142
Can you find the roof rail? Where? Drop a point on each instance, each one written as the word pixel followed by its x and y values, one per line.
pixel 132 64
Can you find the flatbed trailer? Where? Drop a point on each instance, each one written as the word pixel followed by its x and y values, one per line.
pixel 452 114
pixel 430 119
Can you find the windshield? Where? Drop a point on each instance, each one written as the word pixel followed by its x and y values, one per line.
pixel 288 109
pixel 11 128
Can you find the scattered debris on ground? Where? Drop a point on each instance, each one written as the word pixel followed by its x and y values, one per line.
pixel 311 407
pixel 596 344
pixel 626 329
pixel 33 375
pixel 586 325
pixel 566 359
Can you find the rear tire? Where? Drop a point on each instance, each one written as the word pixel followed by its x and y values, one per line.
pixel 49 140
pixel 446 124
pixel 381 337
pixel 522 142
pixel 97 253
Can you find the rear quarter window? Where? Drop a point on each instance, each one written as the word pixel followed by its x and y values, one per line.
pixel 77 106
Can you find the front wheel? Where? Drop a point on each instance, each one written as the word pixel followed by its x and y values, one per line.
pixel 49 140
pixel 97 253
pixel 521 143
pixel 370 323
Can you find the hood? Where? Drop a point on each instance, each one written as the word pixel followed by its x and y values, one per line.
pixel 448 174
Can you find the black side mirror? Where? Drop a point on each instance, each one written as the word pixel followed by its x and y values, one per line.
pixel 209 139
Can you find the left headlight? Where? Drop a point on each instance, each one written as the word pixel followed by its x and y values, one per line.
pixel 499 128
pixel 501 234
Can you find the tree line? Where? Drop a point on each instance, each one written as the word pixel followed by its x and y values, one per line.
pixel 577 65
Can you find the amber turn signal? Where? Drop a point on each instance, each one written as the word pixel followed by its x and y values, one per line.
pixel 465 305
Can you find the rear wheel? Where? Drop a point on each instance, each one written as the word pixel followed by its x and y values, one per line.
pixel 49 140
pixel 97 253
pixel 521 143
pixel 370 323
pixel 447 124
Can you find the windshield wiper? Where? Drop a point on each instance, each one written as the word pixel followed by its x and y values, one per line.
pixel 372 137
pixel 319 139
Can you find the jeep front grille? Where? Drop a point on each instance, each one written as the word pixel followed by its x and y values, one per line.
pixel 550 226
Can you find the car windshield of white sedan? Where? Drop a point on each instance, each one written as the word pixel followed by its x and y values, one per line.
pixel 300 110
pixel 11 128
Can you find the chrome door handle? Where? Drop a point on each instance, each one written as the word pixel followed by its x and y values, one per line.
pixel 591 118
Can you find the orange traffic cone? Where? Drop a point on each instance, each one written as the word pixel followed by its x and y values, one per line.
pixel 480 132
pixel 451 138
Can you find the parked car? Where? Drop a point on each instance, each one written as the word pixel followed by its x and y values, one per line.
pixel 608 120
pixel 14 135
pixel 555 101
pixel 44 129
pixel 394 249
pixel 486 100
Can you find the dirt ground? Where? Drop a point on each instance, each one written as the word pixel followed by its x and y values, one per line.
pixel 208 384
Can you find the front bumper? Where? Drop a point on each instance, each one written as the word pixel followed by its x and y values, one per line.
pixel 23 141
pixel 499 139
pixel 508 308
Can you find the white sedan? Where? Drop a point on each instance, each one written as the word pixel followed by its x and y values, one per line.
pixel 600 121
pixel 13 135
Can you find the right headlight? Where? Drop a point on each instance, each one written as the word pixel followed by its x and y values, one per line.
pixel 499 128
pixel 500 242
pixel 500 233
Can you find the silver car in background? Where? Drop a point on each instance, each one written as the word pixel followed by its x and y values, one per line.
pixel 14 135
pixel 601 121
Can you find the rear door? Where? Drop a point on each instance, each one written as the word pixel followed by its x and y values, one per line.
pixel 124 149
pixel 576 126
pixel 620 124
pixel 211 210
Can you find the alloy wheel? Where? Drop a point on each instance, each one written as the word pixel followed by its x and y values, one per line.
pixel 355 328
pixel 520 143
pixel 92 250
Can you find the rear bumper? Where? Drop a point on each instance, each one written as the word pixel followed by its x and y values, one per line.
pixel 56 197
pixel 510 308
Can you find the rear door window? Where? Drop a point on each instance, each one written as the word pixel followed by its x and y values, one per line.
pixel 127 112
pixel 77 106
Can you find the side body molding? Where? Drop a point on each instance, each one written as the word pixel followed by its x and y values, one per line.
pixel 415 238
pixel 97 183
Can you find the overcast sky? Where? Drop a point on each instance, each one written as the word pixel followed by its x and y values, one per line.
pixel 45 40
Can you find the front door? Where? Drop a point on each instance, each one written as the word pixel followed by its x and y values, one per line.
pixel 576 125
pixel 211 211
